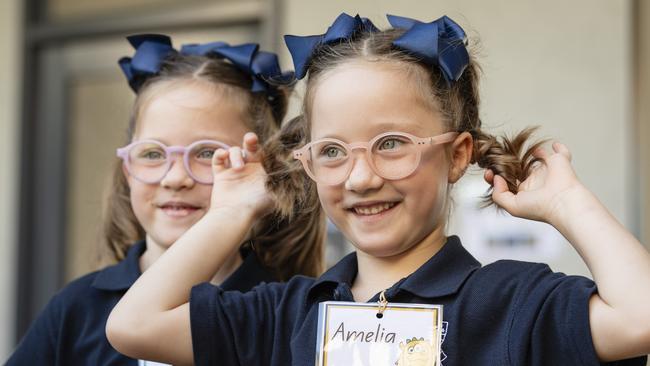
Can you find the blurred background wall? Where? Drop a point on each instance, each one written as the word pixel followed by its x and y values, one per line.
pixel 574 68
pixel 10 68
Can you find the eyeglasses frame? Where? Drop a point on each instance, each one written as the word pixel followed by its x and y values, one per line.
pixel 420 143
pixel 123 153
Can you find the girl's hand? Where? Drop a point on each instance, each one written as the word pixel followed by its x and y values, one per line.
pixel 239 179
pixel 544 194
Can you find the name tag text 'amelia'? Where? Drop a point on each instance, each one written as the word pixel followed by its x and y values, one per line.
pixel 378 336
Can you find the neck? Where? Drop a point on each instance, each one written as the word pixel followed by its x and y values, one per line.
pixel 155 250
pixel 376 274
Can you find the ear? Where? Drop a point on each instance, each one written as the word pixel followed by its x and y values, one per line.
pixel 461 156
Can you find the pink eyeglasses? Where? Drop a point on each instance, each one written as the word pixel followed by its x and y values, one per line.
pixel 149 160
pixel 391 155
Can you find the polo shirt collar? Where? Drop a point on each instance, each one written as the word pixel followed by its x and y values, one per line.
pixel 442 275
pixel 122 275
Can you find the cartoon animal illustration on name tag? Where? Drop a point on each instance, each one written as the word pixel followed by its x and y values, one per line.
pixel 416 352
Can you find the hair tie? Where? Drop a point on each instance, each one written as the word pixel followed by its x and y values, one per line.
pixel 439 43
pixel 152 49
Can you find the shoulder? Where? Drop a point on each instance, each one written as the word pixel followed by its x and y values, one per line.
pixel 77 291
pixel 80 299
pixel 514 281
pixel 506 274
pixel 74 313
pixel 82 290
pixel 520 272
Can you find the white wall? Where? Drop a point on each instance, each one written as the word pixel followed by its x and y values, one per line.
pixel 10 17
pixel 563 65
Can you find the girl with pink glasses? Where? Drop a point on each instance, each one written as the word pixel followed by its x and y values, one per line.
pixel 189 103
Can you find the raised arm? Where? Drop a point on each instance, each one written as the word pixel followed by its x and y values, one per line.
pixel 152 320
pixel 619 314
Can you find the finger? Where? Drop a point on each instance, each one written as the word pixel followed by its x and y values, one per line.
pixel 562 149
pixel 489 176
pixel 502 196
pixel 236 158
pixel 251 147
pixel 220 160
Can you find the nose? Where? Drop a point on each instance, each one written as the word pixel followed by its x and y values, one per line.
pixel 177 177
pixel 362 177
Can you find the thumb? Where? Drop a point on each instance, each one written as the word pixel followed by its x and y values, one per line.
pixel 502 196
pixel 251 147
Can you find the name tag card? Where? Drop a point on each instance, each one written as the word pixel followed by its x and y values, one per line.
pixel 362 334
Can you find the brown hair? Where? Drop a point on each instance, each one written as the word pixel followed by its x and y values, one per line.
pixel 279 245
pixel 457 101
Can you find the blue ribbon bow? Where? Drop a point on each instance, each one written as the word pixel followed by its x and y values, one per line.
pixel 344 27
pixel 439 43
pixel 152 49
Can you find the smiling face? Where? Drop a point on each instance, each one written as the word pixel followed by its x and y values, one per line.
pixel 355 102
pixel 179 113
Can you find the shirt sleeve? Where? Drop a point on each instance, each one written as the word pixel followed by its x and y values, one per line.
pixel 551 321
pixel 233 328
pixel 38 346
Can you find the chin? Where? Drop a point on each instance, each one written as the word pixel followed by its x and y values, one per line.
pixel 166 240
pixel 379 248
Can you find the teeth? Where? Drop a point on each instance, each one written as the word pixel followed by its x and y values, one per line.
pixel 373 210
pixel 177 208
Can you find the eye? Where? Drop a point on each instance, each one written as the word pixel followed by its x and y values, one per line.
pixel 332 152
pixel 410 350
pixel 391 143
pixel 152 155
pixel 418 348
pixel 205 153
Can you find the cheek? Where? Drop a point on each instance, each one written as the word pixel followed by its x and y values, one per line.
pixel 427 188
pixel 141 194
pixel 328 196
pixel 204 193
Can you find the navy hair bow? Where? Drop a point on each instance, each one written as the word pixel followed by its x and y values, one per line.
pixel 344 27
pixel 152 49
pixel 439 43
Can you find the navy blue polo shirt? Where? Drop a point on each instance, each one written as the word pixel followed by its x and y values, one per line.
pixel 506 313
pixel 71 328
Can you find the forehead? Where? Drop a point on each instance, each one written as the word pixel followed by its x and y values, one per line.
pixel 183 112
pixel 358 100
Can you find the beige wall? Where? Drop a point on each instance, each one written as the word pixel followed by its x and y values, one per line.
pixel 562 65
pixel 643 111
pixel 9 97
